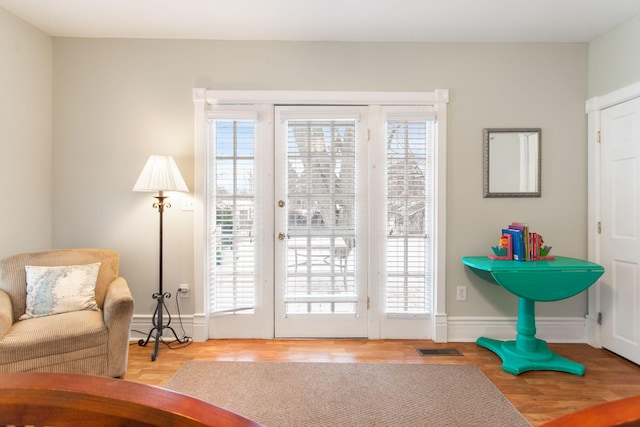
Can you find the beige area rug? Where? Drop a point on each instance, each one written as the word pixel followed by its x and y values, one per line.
pixel 279 394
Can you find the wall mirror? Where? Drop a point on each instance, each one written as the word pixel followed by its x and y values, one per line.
pixel 511 162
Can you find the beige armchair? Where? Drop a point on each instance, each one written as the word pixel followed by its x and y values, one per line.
pixel 94 342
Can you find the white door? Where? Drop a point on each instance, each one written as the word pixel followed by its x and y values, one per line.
pixel 620 238
pixel 320 188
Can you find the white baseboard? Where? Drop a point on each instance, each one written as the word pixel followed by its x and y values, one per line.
pixel 449 328
pixel 141 325
pixel 550 329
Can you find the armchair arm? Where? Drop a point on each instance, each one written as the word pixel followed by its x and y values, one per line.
pixel 6 313
pixel 118 303
pixel 117 312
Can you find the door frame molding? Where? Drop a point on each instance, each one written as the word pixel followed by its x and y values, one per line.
pixel 203 97
pixel 593 108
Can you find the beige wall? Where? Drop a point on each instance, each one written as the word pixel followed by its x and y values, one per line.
pixel 614 59
pixel 117 101
pixel 25 137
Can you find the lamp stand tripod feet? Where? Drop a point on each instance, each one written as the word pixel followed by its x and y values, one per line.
pixel 159 325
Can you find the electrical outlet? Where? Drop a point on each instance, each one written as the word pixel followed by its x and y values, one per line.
pixel 183 290
pixel 461 293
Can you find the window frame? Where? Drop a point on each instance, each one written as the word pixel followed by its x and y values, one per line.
pixel 412 115
pixel 263 101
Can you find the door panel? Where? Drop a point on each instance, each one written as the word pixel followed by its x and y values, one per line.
pixel 620 253
pixel 320 290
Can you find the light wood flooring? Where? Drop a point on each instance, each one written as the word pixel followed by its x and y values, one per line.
pixel 540 396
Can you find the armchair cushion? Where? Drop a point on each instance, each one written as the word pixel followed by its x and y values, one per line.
pixel 46 341
pixel 56 290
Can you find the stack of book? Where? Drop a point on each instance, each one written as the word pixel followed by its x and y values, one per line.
pixel 519 244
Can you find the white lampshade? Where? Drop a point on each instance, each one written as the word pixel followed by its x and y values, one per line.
pixel 160 174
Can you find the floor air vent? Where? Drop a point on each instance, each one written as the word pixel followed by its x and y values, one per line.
pixel 439 352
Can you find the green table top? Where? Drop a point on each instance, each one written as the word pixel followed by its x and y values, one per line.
pixel 546 280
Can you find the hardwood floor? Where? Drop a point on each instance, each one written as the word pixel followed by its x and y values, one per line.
pixel 540 396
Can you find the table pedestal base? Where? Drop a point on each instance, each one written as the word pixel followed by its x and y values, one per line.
pixel 516 361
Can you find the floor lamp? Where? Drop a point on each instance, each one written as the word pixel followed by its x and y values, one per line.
pixel 160 174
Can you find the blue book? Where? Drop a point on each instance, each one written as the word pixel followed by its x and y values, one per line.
pixel 518 244
pixel 524 229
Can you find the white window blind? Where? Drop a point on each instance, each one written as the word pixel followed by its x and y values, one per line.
pixel 321 192
pixel 409 215
pixel 231 215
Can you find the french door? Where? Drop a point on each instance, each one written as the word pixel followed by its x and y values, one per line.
pixel 320 188
pixel 319 219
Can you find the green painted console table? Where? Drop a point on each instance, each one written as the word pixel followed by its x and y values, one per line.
pixel 550 280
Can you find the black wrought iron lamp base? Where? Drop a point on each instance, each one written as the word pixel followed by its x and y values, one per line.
pixel 158 324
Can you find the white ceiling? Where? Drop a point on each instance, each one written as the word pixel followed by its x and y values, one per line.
pixel 330 20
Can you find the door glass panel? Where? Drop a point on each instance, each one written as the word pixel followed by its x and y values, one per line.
pixel 409 216
pixel 321 191
pixel 232 269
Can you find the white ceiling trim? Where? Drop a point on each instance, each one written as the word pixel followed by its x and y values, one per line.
pixel 329 20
